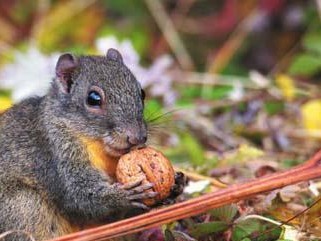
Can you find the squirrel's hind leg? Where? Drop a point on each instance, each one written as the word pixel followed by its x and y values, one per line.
pixel 25 213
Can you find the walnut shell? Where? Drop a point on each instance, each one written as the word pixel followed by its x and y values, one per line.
pixel 151 166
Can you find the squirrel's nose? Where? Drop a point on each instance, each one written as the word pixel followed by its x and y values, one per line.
pixel 137 139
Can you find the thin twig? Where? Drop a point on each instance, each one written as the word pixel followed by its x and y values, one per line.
pixel 171 35
pixel 292 133
pixel 283 223
pixel 198 177
pixel 307 171
pixel 210 79
pixel 233 43
pixel 183 7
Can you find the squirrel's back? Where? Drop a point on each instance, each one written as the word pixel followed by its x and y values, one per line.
pixel 20 136
pixel 23 153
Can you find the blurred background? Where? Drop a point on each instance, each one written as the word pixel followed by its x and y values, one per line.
pixel 233 87
pixel 220 76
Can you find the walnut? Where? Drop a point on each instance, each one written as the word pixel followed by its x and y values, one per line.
pixel 149 165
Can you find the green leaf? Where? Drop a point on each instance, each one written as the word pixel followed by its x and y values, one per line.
pixel 136 9
pixel 217 92
pixel 191 91
pixel 245 228
pixel 305 64
pixel 193 148
pixel 202 229
pixel 287 163
pixel 5 93
pixel 274 107
pixel 312 42
pixel 168 235
pixel 225 213
pixel 153 109
pixel 177 236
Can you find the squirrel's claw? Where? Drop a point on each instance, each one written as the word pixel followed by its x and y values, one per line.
pixel 141 188
pixel 136 193
pixel 132 185
pixel 140 206
pixel 136 187
pixel 141 196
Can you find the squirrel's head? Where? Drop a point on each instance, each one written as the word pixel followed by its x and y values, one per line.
pixel 98 97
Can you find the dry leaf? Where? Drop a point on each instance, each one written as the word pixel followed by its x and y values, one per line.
pixel 5 103
pixel 311 115
pixel 286 85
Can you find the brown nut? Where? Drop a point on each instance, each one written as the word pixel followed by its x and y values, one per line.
pixel 149 165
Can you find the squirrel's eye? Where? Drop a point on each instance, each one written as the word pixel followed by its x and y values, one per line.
pixel 94 98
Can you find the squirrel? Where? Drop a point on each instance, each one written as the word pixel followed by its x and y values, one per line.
pixel 58 153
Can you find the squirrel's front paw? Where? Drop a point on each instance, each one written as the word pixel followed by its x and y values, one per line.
pixel 180 182
pixel 177 189
pixel 136 193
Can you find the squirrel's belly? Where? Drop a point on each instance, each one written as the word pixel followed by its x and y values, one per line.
pixel 98 156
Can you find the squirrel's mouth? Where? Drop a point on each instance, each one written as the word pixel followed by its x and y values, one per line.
pixel 116 152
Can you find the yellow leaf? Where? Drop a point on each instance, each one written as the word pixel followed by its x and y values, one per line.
pixel 65 19
pixel 286 85
pixel 250 151
pixel 243 154
pixel 283 213
pixel 5 103
pixel 311 115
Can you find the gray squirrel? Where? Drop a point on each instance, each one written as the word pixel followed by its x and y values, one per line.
pixel 49 183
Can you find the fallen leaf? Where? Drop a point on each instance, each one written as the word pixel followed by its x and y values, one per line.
pixel 289 192
pixel 202 229
pixel 225 213
pixel 311 115
pixel 177 236
pixel 5 103
pixel 286 85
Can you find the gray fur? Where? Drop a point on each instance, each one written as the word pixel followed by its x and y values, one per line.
pixel 46 179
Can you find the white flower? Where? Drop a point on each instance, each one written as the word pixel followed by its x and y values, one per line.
pixel 194 187
pixel 129 54
pixel 259 79
pixel 159 80
pixel 156 78
pixel 237 92
pixel 30 74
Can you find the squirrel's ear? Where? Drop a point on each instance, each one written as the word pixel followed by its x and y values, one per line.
pixel 114 55
pixel 65 66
